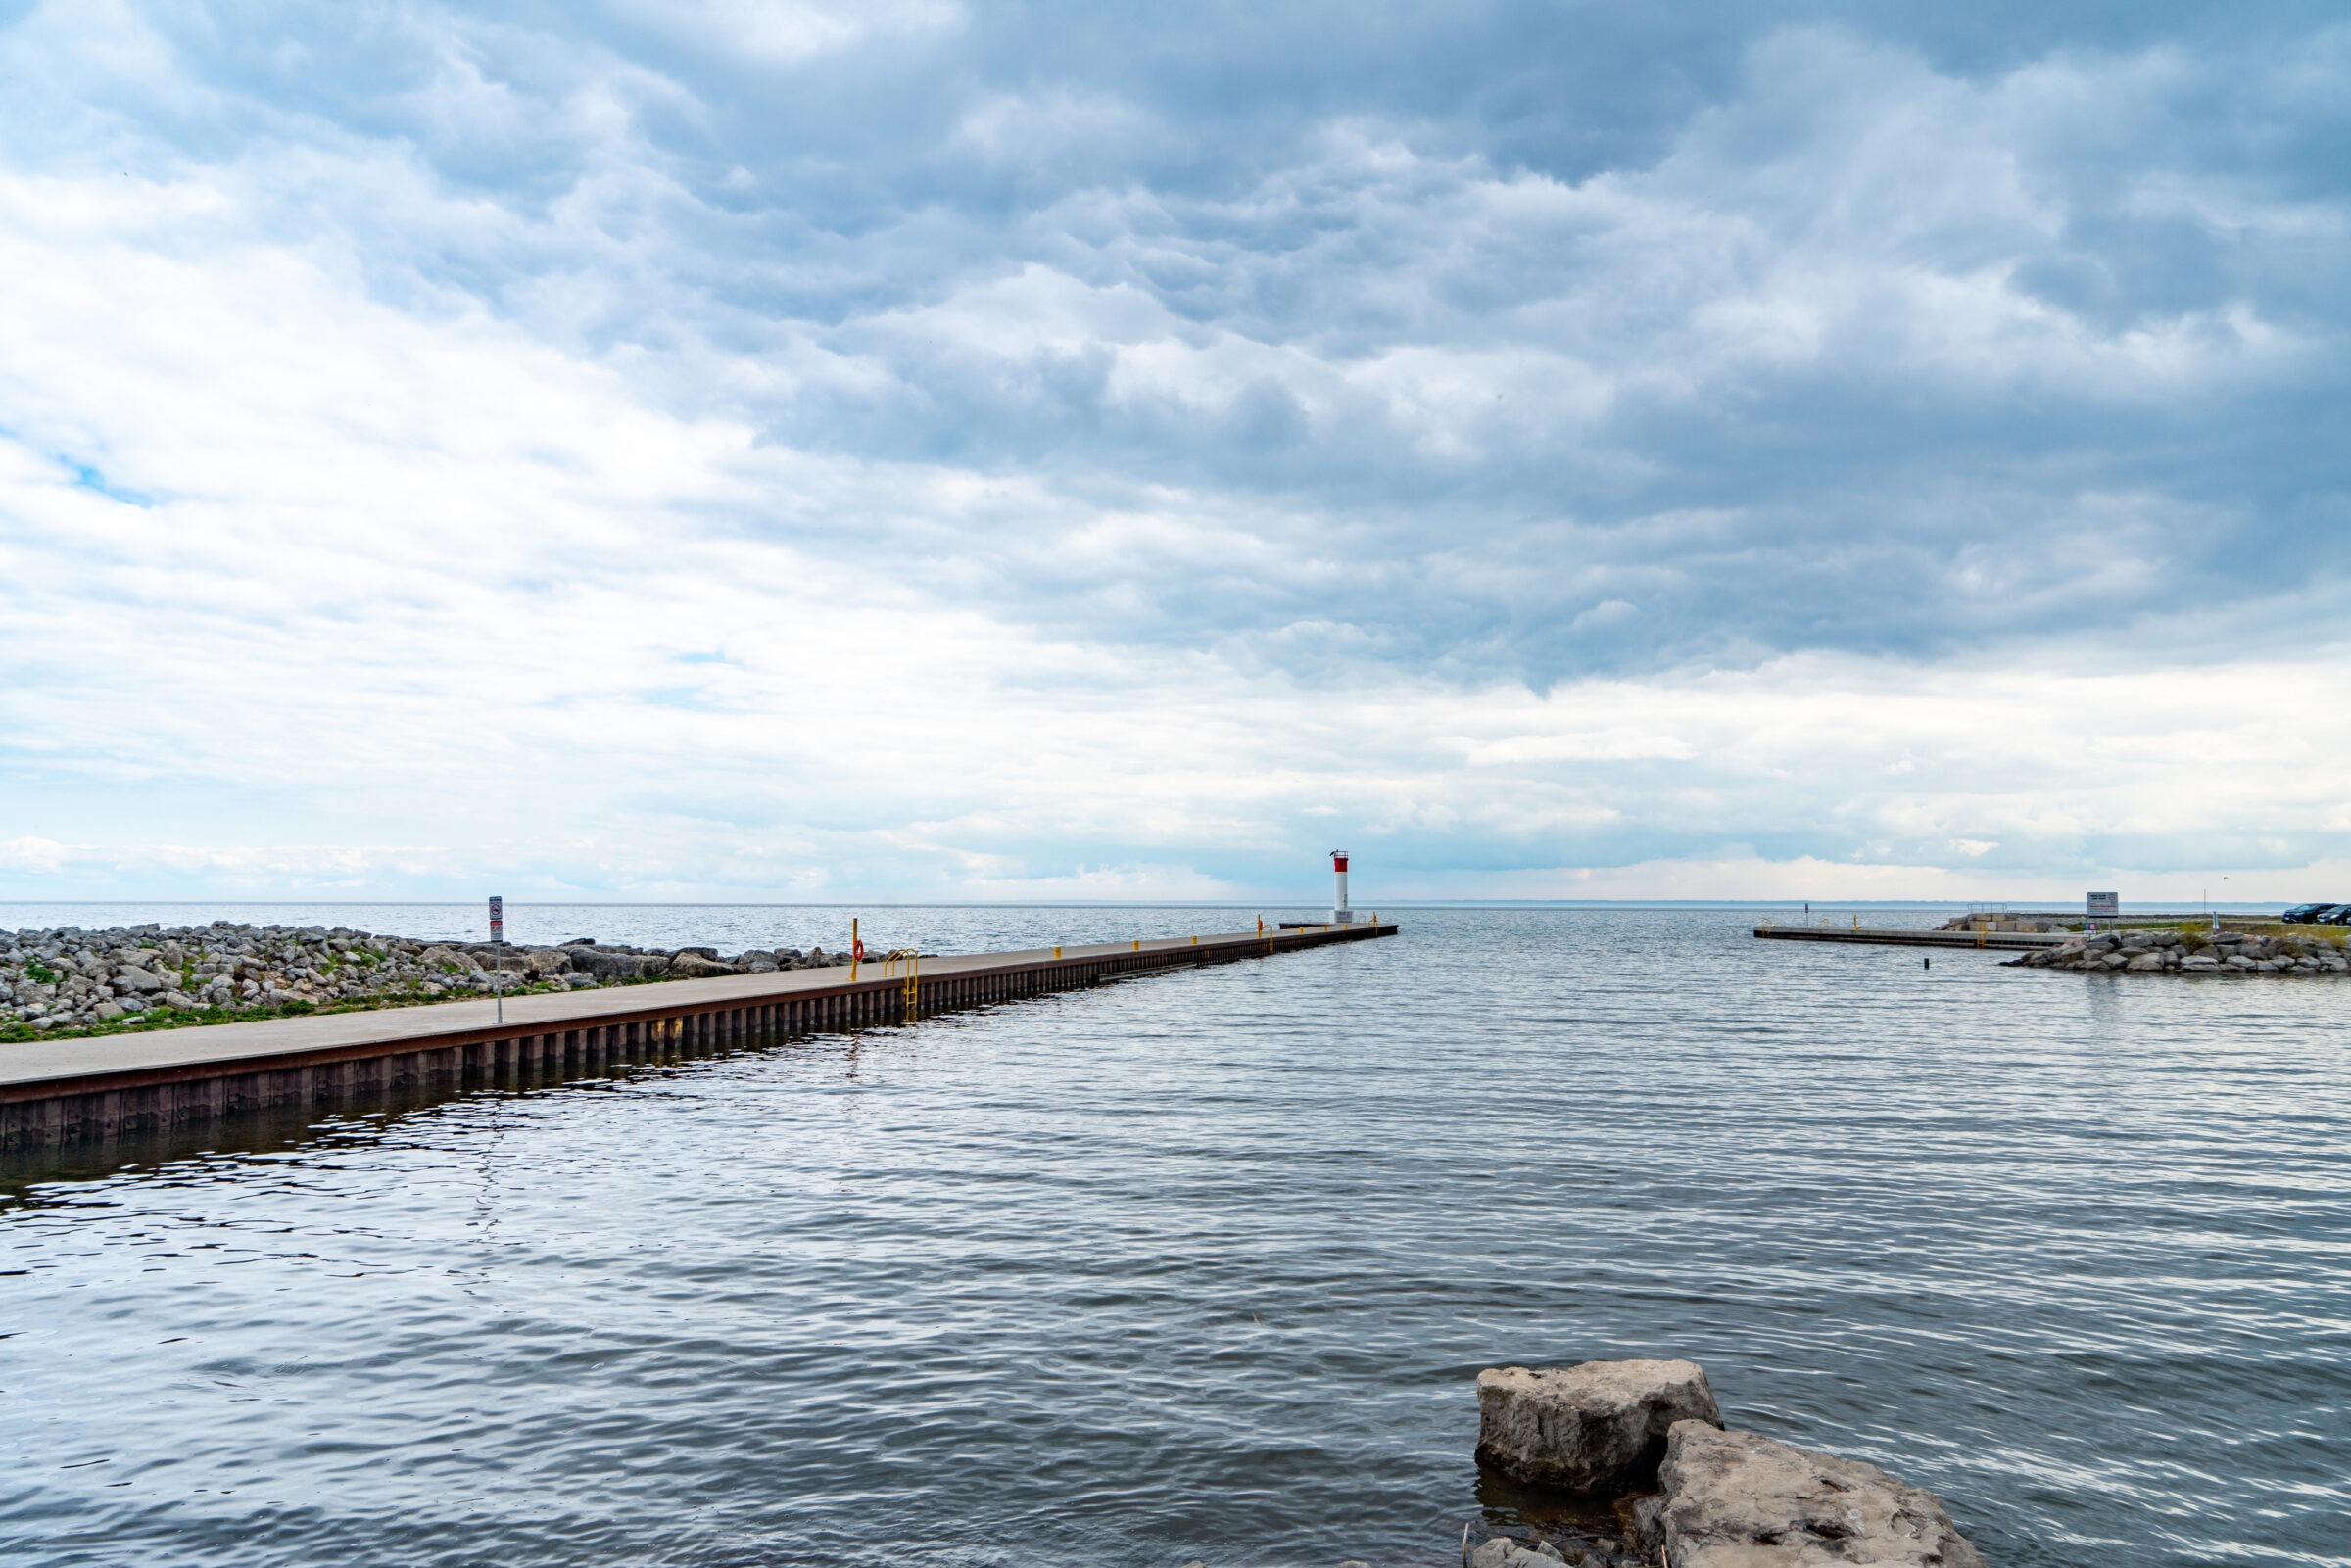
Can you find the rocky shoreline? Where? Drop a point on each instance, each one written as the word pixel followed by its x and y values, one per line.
pixel 2171 951
pixel 67 980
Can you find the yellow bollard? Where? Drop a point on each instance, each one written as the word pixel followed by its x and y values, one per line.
pixel 1138 944
pixel 1057 952
pixel 1195 939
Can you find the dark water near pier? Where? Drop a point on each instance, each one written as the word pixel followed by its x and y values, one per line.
pixel 1204 1264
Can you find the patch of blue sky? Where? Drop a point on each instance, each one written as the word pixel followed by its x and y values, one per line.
pixel 90 478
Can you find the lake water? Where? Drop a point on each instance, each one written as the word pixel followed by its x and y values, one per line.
pixel 1205 1265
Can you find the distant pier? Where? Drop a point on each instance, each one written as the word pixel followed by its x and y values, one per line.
pixel 57 1094
pixel 2004 942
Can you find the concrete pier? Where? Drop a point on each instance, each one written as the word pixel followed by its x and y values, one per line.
pixel 57 1094
pixel 2001 941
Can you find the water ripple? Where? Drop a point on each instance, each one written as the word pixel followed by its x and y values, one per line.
pixel 1203 1265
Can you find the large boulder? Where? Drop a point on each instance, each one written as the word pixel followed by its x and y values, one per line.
pixel 609 966
pixel 1599 1427
pixel 694 967
pixel 1733 1500
pixel 1504 1552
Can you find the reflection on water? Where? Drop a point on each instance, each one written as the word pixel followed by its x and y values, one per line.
pixel 1204 1265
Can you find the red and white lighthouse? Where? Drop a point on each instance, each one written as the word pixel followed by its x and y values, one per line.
pixel 1340 914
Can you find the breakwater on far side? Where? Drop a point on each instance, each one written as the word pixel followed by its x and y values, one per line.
pixel 2191 951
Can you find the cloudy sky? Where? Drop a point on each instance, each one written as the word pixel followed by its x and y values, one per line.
pixel 789 449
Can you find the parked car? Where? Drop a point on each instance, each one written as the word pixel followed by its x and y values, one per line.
pixel 2304 914
pixel 2339 915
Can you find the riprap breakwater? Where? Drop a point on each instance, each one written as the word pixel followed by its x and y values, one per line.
pixel 2195 952
pixel 70 978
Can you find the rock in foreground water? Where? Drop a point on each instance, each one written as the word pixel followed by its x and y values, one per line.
pixel 1597 1427
pixel 1504 1552
pixel 1734 1499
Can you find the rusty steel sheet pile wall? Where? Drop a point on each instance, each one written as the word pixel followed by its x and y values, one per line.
pixel 65 1108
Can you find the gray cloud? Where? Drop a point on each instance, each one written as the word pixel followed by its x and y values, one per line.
pixel 1501 303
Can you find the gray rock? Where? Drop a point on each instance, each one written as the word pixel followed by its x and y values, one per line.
pixel 694 967
pixel 1596 1427
pixel 609 966
pixel 141 980
pixel 1734 1499
pixel 107 1012
pixel 1504 1552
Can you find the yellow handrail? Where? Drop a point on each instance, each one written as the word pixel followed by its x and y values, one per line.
pixel 910 994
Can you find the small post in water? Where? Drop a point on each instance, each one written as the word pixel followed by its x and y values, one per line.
pixel 498 941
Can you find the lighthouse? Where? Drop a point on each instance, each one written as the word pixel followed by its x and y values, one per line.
pixel 1340 914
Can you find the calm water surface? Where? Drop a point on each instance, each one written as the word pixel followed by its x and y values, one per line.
pixel 1204 1264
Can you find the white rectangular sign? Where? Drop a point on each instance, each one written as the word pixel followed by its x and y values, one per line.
pixel 497 919
pixel 2105 906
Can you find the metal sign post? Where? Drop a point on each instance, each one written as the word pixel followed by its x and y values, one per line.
pixel 498 939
